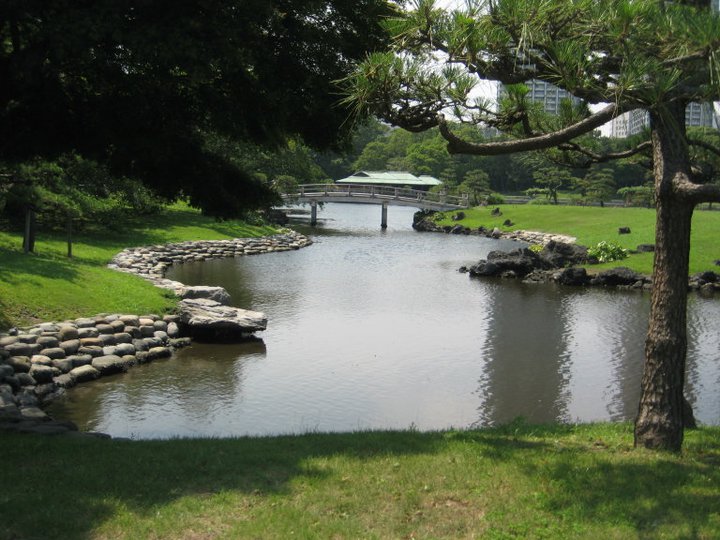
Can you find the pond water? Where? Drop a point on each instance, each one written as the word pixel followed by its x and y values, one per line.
pixel 372 329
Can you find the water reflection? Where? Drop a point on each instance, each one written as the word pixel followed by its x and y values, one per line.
pixel 378 330
pixel 526 370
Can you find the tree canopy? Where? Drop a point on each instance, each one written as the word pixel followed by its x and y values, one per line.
pixel 138 86
pixel 621 54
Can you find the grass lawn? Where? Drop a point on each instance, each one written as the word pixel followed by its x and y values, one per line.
pixel 47 286
pixel 591 225
pixel 518 481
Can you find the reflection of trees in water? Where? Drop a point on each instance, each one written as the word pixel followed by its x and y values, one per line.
pixel 526 368
pixel 623 327
pixel 192 389
pixel 703 361
pixel 555 354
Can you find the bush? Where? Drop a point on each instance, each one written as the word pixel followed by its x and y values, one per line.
pixel 608 252
pixel 495 198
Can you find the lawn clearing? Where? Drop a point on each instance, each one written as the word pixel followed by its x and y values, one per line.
pixel 47 286
pixel 517 481
pixel 591 224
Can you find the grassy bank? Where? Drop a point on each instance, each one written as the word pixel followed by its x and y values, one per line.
pixel 46 285
pixel 514 482
pixel 591 225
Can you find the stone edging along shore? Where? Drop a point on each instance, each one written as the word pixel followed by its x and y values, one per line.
pixel 38 363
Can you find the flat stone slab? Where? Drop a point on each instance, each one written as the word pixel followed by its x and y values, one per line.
pixel 217 294
pixel 208 317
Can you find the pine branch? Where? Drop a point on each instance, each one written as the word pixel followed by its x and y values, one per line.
pixel 457 145
pixel 705 146
pixel 594 157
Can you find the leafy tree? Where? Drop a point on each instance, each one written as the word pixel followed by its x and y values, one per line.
pixel 551 180
pixel 637 195
pixel 650 54
pixel 476 183
pixel 597 185
pixel 139 85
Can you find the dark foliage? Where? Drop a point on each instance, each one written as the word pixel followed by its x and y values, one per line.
pixel 136 84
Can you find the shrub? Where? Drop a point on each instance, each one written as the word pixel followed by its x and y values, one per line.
pixel 495 198
pixel 608 252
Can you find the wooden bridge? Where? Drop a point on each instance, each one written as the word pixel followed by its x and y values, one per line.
pixel 373 194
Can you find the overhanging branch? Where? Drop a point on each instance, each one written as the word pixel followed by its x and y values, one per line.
pixel 594 157
pixel 456 145
pixel 705 146
pixel 699 193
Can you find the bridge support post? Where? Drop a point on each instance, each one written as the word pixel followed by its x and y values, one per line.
pixel 383 219
pixel 313 213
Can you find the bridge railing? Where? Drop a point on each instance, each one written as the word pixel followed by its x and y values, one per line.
pixel 381 192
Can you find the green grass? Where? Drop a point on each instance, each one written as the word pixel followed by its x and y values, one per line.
pixel 46 285
pixel 591 225
pixel 519 481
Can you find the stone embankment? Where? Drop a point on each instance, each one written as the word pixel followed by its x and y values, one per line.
pixel 38 363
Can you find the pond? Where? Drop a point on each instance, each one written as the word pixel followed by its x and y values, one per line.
pixel 372 329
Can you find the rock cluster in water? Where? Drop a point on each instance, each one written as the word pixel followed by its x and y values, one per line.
pixel 38 363
pixel 423 224
pixel 556 263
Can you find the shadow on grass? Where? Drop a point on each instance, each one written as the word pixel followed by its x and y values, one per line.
pixel 151 229
pixel 15 264
pixel 76 485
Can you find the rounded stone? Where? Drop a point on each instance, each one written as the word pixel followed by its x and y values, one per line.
pixel 19 349
pixel 53 353
pixel 173 330
pixel 41 360
pixel 90 332
pixel 63 364
pixel 48 342
pixel 160 325
pixel 123 337
pixel 8 340
pixel 93 351
pixel 67 332
pixel 105 329
pixel 90 342
pixel 42 374
pixel 6 370
pixel 107 339
pixel 159 352
pixel 25 379
pixel 125 349
pixel 140 345
pixel 109 364
pixel 64 381
pixel 130 320
pixel 117 326
pixel 84 323
pixel 147 330
pixel 70 346
pixel 81 359
pixel 21 364
pixel 85 373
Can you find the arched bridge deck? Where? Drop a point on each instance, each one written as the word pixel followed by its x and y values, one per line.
pixel 372 194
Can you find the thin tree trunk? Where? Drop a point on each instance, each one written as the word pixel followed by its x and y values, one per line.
pixel 659 423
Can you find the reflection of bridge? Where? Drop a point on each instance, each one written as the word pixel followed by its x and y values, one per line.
pixel 372 194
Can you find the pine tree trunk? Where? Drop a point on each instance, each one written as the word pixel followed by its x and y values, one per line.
pixel 659 423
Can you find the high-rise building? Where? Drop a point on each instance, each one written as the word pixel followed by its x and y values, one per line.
pixel 544 93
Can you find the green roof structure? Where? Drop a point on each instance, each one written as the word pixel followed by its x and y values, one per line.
pixel 390 178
